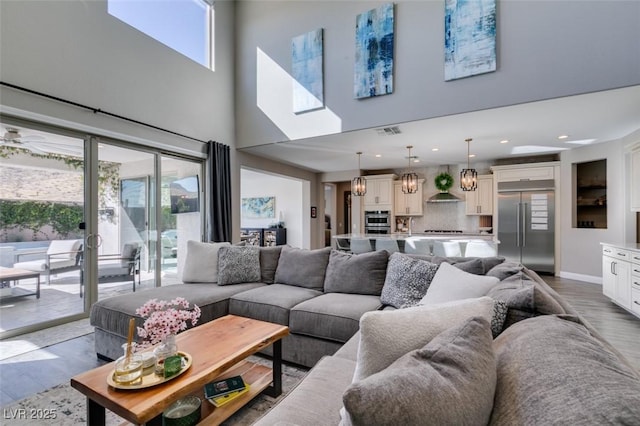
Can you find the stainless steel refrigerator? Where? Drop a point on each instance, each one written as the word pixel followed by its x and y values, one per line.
pixel 526 223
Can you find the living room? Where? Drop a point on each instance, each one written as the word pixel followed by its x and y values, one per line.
pixel 76 51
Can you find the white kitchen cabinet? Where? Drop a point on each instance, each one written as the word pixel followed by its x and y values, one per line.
pixel 617 269
pixel 407 204
pixel 635 180
pixel 480 201
pixel 516 172
pixel 379 195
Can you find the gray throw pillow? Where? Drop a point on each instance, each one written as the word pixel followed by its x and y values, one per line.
pixel 302 268
pixel 500 310
pixel 450 381
pixel 238 264
pixel 553 371
pixel 356 273
pixel 201 263
pixel 524 299
pixel 451 283
pixel 387 335
pixel 473 265
pixel 269 257
pixel 505 270
pixel 407 280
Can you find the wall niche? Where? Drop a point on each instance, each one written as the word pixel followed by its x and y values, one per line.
pixel 590 210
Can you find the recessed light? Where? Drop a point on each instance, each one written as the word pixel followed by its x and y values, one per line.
pixel 378 155
pixel 504 141
pixel 471 155
pixel 435 149
pixel 563 136
pixel 416 160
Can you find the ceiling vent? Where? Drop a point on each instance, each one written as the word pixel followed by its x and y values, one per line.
pixel 388 131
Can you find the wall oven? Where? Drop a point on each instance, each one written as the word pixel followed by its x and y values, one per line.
pixel 377 222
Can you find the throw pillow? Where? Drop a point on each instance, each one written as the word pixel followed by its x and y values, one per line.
pixel 238 264
pixel 356 273
pixel 451 283
pixel 553 371
pixel 524 298
pixel 500 311
pixel 407 280
pixel 201 263
pixel 505 270
pixel 450 381
pixel 302 268
pixel 387 335
pixel 269 257
pixel 473 266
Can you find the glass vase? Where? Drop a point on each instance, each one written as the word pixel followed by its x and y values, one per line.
pixel 166 349
pixel 128 368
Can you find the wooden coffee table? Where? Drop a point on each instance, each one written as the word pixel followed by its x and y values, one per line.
pixel 219 349
pixel 15 274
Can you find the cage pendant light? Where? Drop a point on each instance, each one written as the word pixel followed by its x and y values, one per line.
pixel 410 179
pixel 359 184
pixel 468 176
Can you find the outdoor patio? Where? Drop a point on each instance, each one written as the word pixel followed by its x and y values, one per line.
pixel 62 297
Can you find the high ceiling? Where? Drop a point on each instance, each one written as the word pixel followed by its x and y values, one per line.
pixel 530 129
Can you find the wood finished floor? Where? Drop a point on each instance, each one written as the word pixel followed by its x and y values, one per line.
pixel 27 374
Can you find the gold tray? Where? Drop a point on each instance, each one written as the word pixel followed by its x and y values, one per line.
pixel 149 378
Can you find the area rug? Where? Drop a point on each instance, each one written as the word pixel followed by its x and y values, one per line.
pixel 69 406
pixel 40 339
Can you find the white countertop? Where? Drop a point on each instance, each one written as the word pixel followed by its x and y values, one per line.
pixel 625 246
pixel 422 236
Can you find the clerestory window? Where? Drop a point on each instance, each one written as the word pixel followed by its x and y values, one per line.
pixel 183 25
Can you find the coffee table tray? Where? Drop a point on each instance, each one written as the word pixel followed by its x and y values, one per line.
pixel 149 378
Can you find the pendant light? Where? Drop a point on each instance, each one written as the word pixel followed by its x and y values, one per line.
pixel 468 176
pixel 409 179
pixel 359 184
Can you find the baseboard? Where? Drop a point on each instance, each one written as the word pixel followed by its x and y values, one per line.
pixel 581 277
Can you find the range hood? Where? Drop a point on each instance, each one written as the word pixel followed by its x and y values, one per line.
pixel 443 197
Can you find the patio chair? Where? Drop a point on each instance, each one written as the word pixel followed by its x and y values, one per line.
pixel 119 267
pixel 61 256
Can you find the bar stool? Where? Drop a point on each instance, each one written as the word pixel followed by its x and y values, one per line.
pixel 417 246
pixel 446 248
pixel 342 244
pixel 361 245
pixel 480 248
pixel 387 244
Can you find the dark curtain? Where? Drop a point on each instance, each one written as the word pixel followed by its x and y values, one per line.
pixel 219 172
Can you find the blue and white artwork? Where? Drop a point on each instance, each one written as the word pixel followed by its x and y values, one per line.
pixel 306 70
pixel 470 38
pixel 258 207
pixel 373 73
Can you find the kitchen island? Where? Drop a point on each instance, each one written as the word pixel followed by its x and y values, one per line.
pixel 439 244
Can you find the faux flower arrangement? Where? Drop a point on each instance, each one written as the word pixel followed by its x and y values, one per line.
pixel 164 318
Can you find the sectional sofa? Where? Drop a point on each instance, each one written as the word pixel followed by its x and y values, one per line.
pixel 400 339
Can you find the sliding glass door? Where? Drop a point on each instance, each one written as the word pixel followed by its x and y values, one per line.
pixel 84 218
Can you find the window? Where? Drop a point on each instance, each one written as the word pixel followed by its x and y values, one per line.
pixel 183 25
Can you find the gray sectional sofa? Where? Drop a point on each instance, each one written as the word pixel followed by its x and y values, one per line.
pixel 549 362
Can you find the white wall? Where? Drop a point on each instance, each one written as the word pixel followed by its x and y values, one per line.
pixel 581 253
pixel 545 49
pixel 289 201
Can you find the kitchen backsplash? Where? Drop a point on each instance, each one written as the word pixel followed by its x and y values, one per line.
pixel 450 216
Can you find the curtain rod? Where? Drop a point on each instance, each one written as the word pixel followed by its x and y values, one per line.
pixel 97 110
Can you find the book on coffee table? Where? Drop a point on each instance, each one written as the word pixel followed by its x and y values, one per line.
pixel 224 387
pixel 224 399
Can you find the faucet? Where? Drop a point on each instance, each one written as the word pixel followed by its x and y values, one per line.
pixel 410 225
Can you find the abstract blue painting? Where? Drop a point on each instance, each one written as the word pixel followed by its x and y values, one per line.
pixel 373 73
pixel 306 70
pixel 258 207
pixel 470 38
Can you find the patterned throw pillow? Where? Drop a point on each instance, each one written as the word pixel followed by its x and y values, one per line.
pixel 407 280
pixel 238 264
pixel 500 310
